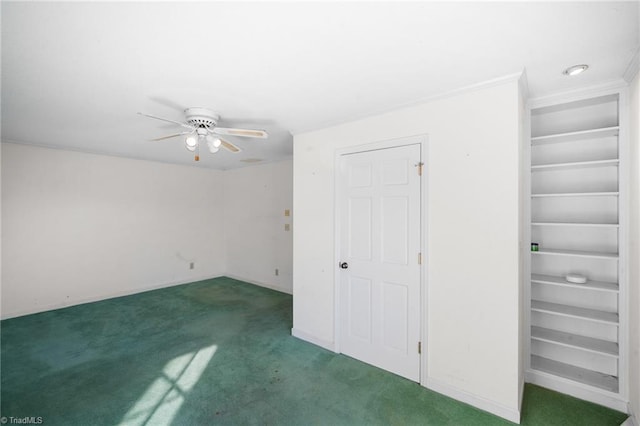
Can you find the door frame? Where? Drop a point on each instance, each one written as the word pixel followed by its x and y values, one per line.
pixel 421 140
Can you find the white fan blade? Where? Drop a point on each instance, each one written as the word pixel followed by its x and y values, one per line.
pixel 170 136
pixel 170 121
pixel 168 103
pixel 241 132
pixel 230 147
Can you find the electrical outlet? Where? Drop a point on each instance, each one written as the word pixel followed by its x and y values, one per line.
pixel 191 265
pixel 287 227
pixel 277 272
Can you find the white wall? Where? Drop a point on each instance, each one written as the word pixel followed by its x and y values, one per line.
pixel 78 227
pixel 634 252
pixel 472 247
pixel 256 240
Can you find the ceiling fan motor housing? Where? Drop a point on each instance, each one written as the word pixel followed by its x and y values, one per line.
pixel 201 117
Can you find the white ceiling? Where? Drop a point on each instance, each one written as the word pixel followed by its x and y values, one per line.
pixel 75 74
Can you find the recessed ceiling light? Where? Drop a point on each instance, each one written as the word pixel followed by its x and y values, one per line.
pixel 575 70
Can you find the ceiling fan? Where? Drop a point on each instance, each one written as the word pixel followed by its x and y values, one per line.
pixel 202 127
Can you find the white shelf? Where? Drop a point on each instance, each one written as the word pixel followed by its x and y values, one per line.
pixel 578 374
pixel 574 341
pixel 575 312
pixel 577 194
pixel 577 253
pixel 560 281
pixel 575 136
pixel 602 225
pixel 575 165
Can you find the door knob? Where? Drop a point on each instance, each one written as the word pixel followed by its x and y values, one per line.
pixel 344 265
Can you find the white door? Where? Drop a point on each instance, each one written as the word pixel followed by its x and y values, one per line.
pixel 379 300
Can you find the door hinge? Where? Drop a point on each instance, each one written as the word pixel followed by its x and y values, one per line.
pixel 419 258
pixel 419 347
pixel 419 165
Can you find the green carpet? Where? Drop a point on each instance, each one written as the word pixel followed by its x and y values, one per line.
pixel 219 352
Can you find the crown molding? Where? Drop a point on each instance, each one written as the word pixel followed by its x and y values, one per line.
pixel 513 77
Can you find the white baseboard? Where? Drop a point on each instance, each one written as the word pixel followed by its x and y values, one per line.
pixel 474 400
pixel 312 339
pixel 50 307
pixel 260 284
pixel 97 298
pixel 632 420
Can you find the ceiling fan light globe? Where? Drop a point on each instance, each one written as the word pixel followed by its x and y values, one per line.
pixel 191 141
pixel 211 144
pixel 212 140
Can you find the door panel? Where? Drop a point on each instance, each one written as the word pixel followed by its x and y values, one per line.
pixel 379 293
pixel 395 172
pixel 360 309
pixel 394 322
pixel 394 229
pixel 360 175
pixel 360 217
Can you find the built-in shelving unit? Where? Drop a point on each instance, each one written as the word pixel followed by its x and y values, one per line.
pixel 576 312
pixel 578 374
pixel 575 329
pixel 605 225
pixel 577 194
pixel 561 281
pixel 571 340
pixel 576 136
pixel 576 253
pixel 575 165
